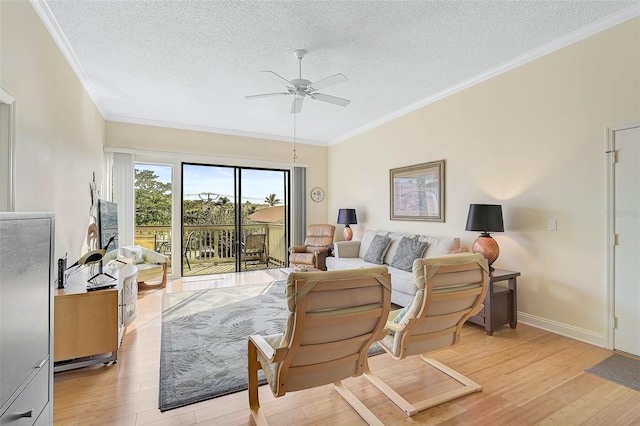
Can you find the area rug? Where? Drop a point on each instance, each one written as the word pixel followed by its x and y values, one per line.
pixel 619 369
pixel 204 339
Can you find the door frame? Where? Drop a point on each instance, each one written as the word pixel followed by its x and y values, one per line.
pixel 610 230
pixel 8 146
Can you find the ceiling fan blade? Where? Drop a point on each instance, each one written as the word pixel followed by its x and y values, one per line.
pixel 331 99
pixel 280 78
pixel 329 81
pixel 266 95
pixel 296 107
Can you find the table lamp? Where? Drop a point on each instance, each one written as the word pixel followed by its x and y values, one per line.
pixel 485 218
pixel 347 217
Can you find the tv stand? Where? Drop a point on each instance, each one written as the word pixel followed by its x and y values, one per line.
pixel 89 325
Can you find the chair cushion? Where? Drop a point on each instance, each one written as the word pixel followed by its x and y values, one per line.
pixel 302 259
pixel 319 235
pixel 134 253
pixel 408 250
pixel 377 249
pixel 148 271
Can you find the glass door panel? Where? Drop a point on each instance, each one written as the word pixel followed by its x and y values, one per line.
pixel 264 213
pixel 209 219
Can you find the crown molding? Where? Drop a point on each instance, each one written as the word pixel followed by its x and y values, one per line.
pixel 557 44
pixel 207 129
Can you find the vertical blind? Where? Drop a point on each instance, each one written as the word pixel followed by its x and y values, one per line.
pixel 299 205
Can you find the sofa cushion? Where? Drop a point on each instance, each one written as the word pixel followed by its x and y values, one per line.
pixel 408 250
pixel 439 246
pixel 377 249
pixel 336 263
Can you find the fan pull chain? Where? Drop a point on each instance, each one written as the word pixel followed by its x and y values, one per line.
pixel 295 156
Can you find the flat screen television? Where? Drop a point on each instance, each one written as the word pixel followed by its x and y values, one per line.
pixel 108 224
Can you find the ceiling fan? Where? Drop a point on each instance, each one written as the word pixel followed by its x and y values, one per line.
pixel 302 88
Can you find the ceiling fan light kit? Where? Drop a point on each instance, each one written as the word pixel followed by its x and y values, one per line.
pixel 301 88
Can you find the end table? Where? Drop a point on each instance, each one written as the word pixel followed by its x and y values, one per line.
pixel 500 303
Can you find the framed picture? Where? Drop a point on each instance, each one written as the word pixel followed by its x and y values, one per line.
pixel 417 192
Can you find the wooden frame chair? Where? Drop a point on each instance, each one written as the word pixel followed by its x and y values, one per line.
pixel 334 318
pixel 255 246
pixel 450 290
pixel 187 247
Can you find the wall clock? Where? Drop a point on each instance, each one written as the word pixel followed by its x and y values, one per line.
pixel 317 194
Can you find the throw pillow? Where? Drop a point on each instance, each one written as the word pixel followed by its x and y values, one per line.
pixel 401 314
pixel 134 253
pixel 408 251
pixel 377 249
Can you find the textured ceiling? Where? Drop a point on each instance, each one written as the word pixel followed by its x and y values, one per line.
pixel 191 63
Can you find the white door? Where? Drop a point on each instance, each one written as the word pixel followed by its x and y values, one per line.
pixel 626 218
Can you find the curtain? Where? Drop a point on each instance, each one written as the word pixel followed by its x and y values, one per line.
pixel 299 205
pixel 123 182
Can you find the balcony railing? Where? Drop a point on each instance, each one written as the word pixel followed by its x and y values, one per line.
pixel 212 244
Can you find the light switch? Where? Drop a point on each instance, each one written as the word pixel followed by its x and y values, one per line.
pixel 553 224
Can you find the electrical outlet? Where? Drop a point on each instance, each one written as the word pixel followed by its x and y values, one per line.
pixel 553 224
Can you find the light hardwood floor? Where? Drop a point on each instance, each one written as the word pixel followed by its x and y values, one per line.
pixel 529 377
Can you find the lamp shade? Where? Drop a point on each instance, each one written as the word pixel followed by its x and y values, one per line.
pixel 485 218
pixel 347 217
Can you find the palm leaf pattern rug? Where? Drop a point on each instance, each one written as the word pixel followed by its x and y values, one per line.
pixel 204 339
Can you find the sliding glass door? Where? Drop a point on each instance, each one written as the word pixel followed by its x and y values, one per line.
pixel 234 219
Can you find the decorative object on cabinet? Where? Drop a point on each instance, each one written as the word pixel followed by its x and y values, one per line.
pixel 485 218
pixel 90 323
pixel 347 217
pixel 26 345
pixel 417 192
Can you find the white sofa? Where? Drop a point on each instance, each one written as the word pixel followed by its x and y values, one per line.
pixel 351 254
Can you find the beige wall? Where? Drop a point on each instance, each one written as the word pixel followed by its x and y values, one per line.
pixel 228 150
pixel 531 139
pixel 59 131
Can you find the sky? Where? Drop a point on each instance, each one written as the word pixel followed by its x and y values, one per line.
pixel 256 184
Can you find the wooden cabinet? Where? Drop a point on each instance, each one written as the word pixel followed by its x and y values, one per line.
pixel 26 282
pixel 90 325
pixel 500 303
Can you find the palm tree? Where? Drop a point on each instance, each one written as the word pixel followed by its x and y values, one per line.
pixel 272 200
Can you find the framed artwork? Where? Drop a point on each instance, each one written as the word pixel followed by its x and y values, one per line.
pixel 417 192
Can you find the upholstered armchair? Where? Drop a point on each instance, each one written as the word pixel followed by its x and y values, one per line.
pixel 314 251
pixel 151 265
pixel 334 317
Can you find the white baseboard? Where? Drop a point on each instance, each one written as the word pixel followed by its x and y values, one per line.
pixel 576 333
